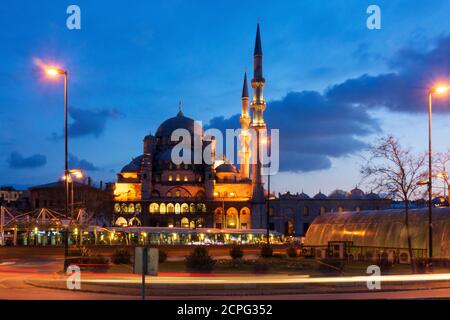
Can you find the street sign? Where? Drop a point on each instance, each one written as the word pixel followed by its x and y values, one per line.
pixel 146 261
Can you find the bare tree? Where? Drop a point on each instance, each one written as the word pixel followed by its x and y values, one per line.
pixel 398 171
pixel 440 165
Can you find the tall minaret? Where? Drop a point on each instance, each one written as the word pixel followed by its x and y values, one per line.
pixel 244 153
pixel 258 105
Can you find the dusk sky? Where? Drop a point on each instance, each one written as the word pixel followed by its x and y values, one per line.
pixel 332 85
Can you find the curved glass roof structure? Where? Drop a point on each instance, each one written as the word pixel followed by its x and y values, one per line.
pixel 383 228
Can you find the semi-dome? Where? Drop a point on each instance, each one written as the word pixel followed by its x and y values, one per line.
pixel 226 168
pixel 303 196
pixel 357 194
pixel 178 122
pixel 134 165
pixel 320 196
pixel 338 194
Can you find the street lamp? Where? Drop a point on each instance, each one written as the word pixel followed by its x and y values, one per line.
pixel 438 90
pixel 53 72
pixel 77 174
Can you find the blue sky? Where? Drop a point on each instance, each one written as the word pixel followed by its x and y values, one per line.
pixel 332 84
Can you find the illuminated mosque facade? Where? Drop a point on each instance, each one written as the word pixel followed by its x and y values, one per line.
pixel 153 191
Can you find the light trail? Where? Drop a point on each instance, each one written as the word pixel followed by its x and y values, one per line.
pixel 305 279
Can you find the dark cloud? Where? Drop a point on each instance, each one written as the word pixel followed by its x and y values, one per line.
pixel 18 161
pixel 313 128
pixel 88 122
pixel 405 88
pixel 76 163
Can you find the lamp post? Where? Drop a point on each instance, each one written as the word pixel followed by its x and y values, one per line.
pixel 439 90
pixel 55 72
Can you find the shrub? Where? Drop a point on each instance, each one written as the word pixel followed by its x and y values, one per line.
pixel 162 256
pixel 200 260
pixel 266 252
pixel 121 256
pixel 291 252
pixel 236 252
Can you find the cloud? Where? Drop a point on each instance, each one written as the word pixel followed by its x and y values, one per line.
pixel 18 161
pixel 77 163
pixel 313 129
pixel 404 89
pixel 88 122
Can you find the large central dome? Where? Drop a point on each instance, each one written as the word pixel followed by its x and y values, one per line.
pixel 178 122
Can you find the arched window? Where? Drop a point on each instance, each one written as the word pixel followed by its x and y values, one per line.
pixel 169 194
pixel 177 208
pixel 185 222
pixel 192 208
pixel 322 210
pixel 305 211
pixel 192 224
pixel 178 177
pixel 131 208
pixel 184 208
pixel 162 208
pixel 135 222
pixel 340 209
pixel 231 217
pixel 357 209
pixel 121 222
pixel 154 208
pixel 138 207
pixel 201 207
pixel 185 178
pixel 170 208
pixel 124 207
pixel 177 194
pixel 117 207
pixel 170 178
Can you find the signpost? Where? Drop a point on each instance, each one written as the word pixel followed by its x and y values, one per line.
pixel 145 263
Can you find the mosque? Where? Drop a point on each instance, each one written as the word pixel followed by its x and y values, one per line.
pixel 153 191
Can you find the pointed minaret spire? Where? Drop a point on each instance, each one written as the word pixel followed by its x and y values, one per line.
pixel 258 47
pixel 245 87
pixel 257 58
pixel 180 107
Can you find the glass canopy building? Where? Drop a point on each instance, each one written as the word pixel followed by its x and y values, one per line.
pixel 384 228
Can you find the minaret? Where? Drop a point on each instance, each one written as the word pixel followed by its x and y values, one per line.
pixel 258 105
pixel 244 153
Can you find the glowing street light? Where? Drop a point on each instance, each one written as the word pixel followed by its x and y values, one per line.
pixel 53 72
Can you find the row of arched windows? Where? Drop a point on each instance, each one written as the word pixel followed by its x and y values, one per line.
pixel 177 208
pixel 127 208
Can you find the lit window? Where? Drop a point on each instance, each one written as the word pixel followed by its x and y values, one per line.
pixel 170 178
pixel 185 178
pixel 178 177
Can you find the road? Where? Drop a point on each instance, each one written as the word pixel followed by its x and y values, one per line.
pixel 16 274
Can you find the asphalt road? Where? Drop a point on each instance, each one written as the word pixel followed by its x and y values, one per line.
pixel 16 274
